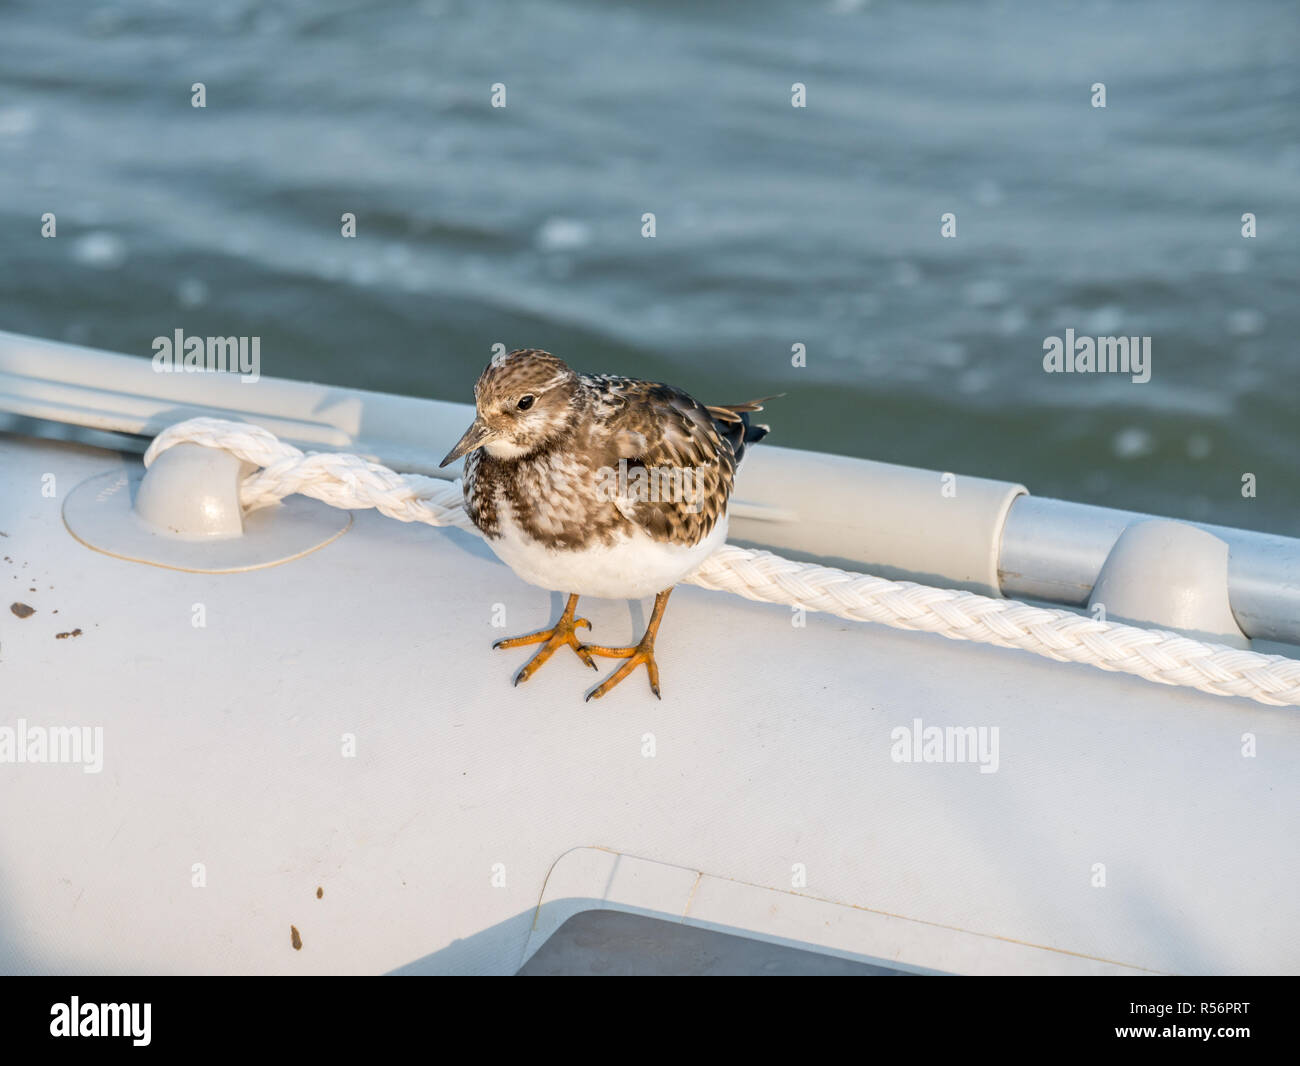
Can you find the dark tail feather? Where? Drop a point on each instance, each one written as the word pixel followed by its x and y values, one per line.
pixel 734 425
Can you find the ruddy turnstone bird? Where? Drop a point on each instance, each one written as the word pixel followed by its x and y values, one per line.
pixel 594 485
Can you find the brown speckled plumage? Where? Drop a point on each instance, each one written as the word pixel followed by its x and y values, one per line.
pixel 601 486
pixel 578 428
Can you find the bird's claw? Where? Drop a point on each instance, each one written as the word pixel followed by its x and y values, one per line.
pixel 549 639
pixel 632 658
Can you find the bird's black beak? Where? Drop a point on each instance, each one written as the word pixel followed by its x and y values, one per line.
pixel 475 437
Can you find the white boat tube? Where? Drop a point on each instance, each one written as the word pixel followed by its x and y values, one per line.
pixel 933 527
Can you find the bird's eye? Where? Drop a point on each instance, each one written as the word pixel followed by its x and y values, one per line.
pixel 525 402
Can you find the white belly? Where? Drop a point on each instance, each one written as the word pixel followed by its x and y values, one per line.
pixel 630 569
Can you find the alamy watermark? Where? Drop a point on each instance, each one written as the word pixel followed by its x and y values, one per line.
pixel 23 743
pixel 683 485
pixel 946 744
pixel 74 1018
pixel 1098 355
pixel 179 354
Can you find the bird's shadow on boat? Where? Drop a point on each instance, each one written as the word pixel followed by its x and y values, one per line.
pixel 469 543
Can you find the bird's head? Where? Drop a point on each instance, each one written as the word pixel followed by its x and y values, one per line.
pixel 523 400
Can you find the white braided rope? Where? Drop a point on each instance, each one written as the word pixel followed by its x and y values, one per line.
pixel 341 480
pixel 350 482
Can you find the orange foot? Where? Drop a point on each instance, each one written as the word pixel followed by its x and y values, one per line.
pixel 644 652
pixel 562 633
pixel 634 657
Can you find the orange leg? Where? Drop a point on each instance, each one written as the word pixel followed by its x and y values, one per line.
pixel 643 652
pixel 550 639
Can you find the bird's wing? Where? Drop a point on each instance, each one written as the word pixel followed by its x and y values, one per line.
pixel 675 467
